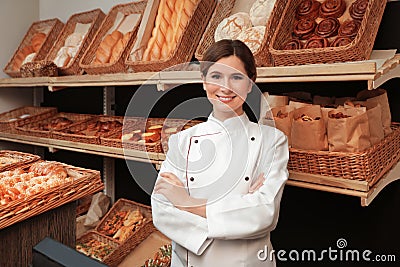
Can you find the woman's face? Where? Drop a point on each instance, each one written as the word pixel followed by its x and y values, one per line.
pixel 227 86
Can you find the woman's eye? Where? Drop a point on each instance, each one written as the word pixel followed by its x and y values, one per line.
pixel 215 76
pixel 237 77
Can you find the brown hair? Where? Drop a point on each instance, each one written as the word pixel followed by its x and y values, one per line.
pixel 226 48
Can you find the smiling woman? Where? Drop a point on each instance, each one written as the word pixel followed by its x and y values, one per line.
pixel 218 193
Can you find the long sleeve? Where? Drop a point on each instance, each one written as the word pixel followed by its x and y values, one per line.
pixel 254 215
pixel 186 229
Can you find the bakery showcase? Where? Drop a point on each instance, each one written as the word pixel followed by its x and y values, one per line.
pixel 68 151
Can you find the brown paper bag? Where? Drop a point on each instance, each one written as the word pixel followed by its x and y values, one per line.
pixel 281 118
pixel 348 134
pixel 379 96
pixel 269 101
pixel 374 119
pixel 309 135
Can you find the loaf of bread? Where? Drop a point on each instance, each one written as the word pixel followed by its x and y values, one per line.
pixel 232 26
pixel 37 40
pixel 172 18
pixel 104 51
pixel 260 12
pixel 252 37
pixel 20 56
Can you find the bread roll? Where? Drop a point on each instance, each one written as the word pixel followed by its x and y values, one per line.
pixel 232 26
pixel 260 12
pixel 21 55
pixel 252 37
pixel 74 39
pixel 37 40
pixel 28 58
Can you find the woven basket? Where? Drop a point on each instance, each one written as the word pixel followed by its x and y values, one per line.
pixel 10 119
pixel 359 49
pixel 17 159
pixel 118 65
pixel 95 17
pixel 80 135
pixel 224 10
pixel 85 182
pixel 116 256
pixel 93 235
pixel 186 45
pixel 369 165
pixel 52 27
pixel 33 128
pixel 131 124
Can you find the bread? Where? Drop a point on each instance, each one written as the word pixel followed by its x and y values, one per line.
pixel 28 58
pixel 308 9
pixel 232 26
pixel 327 27
pixel 293 44
pixel 119 47
pixel 37 40
pixel 62 58
pixel 332 8
pixel 304 28
pixel 74 39
pixel 151 137
pixel 260 12
pixel 253 37
pixel 20 56
pixel 358 8
pixel 172 18
pixel 105 49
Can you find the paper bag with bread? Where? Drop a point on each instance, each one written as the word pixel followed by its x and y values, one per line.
pixel 348 130
pixel 308 129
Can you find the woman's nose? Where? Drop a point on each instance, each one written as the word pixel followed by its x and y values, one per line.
pixel 225 89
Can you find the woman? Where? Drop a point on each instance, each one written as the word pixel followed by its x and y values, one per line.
pixel 218 193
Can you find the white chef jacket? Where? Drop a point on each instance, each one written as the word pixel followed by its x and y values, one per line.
pixel 219 161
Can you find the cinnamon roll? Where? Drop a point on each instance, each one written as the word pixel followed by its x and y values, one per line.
pixel 341 41
pixel 332 8
pixel 293 44
pixel 316 42
pixel 349 28
pixel 327 27
pixel 308 9
pixel 358 8
pixel 304 28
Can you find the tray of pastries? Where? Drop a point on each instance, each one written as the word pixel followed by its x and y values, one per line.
pixel 12 159
pixel 43 185
pixel 326 31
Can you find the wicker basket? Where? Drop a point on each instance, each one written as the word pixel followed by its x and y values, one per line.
pixel 33 128
pixel 95 17
pixel 359 49
pixel 10 119
pixel 17 159
pixel 186 45
pixel 85 182
pixel 79 131
pixel 138 235
pixel 223 10
pixel 119 64
pixel 93 235
pixel 131 124
pixel 52 27
pixel 369 165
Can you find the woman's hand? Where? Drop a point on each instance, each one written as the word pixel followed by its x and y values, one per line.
pixel 257 184
pixel 173 189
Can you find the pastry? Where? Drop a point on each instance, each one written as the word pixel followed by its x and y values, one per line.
pixel 304 28
pixel 150 137
pixel 328 27
pixel 119 47
pixel 28 58
pixel 308 9
pixel 155 128
pixel 341 41
pixel 260 12
pixel 349 28
pixel 74 39
pixel 316 42
pixel 293 44
pixel 232 26
pixel 332 8
pixel 358 8
pixel 252 37
pixel 104 51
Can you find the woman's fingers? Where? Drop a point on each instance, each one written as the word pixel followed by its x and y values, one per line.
pixel 257 184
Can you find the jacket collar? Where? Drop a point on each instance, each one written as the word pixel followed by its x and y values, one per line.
pixel 236 123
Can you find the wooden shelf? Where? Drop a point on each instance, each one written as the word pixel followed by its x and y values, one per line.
pixel 354 188
pixel 348 71
pixel 53 145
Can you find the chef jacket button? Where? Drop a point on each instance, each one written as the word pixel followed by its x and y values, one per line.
pixel 247 178
pixel 191 179
pixel 196 141
pixel 252 139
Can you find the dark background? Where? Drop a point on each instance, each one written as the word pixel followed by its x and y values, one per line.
pixel 309 219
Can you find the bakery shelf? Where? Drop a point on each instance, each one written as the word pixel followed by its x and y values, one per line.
pixel 348 71
pixel 53 145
